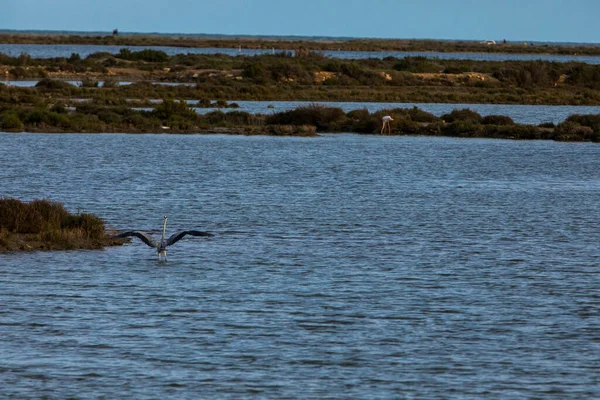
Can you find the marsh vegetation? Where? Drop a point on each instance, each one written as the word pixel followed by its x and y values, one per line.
pixel 172 116
pixel 311 77
pixel 47 225
pixel 48 107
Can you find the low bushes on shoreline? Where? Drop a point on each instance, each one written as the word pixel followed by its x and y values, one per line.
pixel 47 225
pixel 310 77
pixel 178 117
pixel 300 44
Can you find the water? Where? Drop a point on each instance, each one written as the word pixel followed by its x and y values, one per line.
pixel 343 266
pixel 65 50
pixel 32 83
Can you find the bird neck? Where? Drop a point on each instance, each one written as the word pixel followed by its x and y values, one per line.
pixel 164 232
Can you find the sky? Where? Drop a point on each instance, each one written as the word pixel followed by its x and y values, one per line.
pixel 513 20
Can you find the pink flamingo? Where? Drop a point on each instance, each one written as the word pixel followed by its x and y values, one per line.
pixel 386 122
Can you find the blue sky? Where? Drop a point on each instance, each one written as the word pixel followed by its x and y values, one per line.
pixel 533 20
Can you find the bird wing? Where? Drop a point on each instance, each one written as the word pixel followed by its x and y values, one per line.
pixel 177 236
pixel 146 238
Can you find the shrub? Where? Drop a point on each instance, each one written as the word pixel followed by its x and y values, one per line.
pixel 497 120
pixel 110 83
pixel 74 58
pixel 148 55
pixel 462 115
pixel 418 115
pixel 220 104
pixel 44 216
pixel 203 103
pixel 463 128
pixel 572 131
pixel 169 108
pixel 547 125
pixel 324 118
pixel 11 122
pixel 89 83
pixel 358 115
pixel 52 84
pixel 289 130
pixel 417 65
pixel 592 120
pixel 256 71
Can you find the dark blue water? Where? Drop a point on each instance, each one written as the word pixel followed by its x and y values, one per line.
pixel 65 50
pixel 342 267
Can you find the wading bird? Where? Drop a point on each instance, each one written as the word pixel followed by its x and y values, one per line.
pixel 386 122
pixel 161 246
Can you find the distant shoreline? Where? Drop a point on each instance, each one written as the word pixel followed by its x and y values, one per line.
pixel 295 43
pixel 267 37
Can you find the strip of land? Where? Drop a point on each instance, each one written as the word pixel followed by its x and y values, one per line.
pixel 303 44
pixel 45 115
pixel 311 78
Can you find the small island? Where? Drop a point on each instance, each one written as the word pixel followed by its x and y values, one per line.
pixel 47 225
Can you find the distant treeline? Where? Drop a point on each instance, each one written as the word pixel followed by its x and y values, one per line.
pixel 178 117
pixel 498 46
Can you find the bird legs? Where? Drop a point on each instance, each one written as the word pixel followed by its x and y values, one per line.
pixel 388 130
pixel 164 253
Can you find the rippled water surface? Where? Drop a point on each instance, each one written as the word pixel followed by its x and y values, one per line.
pixel 65 50
pixel 342 267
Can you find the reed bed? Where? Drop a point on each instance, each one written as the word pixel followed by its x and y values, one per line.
pixel 45 224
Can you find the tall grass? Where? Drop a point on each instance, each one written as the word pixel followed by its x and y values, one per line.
pixel 48 219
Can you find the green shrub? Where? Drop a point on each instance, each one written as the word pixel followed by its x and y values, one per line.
pixel 591 120
pixel 463 128
pixel 497 120
pixel 220 104
pixel 573 131
pixel 52 84
pixel 148 55
pixel 357 115
pixel 547 125
pixel 203 103
pixel 11 122
pixel 168 108
pixel 417 65
pixel 418 115
pixel 74 58
pixel 89 83
pixel 328 119
pixel 462 115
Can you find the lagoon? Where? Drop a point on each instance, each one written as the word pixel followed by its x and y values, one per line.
pixel 343 266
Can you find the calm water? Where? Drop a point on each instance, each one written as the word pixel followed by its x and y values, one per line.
pixel 342 267
pixel 65 50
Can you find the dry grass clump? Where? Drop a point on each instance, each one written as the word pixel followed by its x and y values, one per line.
pixel 48 220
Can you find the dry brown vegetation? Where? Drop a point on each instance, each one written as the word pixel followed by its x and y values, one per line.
pixel 47 225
